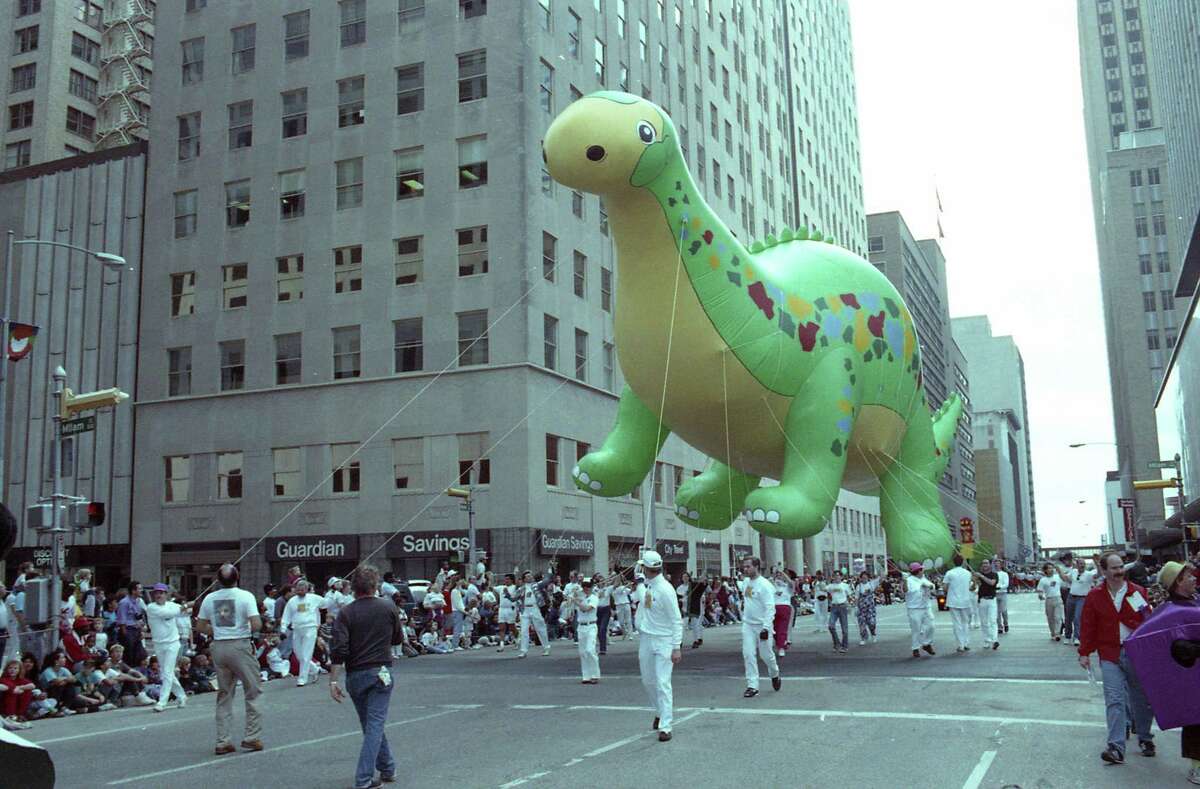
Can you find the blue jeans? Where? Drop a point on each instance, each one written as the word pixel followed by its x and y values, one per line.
pixel 1123 698
pixel 371 699
pixel 838 615
pixel 1074 615
pixel 603 615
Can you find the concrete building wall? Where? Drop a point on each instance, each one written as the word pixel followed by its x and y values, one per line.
pixel 88 319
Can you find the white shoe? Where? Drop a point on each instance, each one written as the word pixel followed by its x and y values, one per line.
pixel 108 705
pixel 157 707
pixel 144 699
pixel 299 684
pixel 183 702
pixel 1193 776
pixel 522 654
pixel 874 638
pixel 862 642
pixel 546 652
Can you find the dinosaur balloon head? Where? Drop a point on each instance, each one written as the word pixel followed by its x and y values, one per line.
pixel 609 142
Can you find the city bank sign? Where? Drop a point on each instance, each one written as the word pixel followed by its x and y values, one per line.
pixel 328 548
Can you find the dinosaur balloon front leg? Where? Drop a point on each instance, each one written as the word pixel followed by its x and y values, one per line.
pixel 713 499
pixel 628 453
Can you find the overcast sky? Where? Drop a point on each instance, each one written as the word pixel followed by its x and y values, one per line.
pixel 984 100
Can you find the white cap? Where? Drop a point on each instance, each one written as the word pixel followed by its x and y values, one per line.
pixel 333 579
pixel 652 560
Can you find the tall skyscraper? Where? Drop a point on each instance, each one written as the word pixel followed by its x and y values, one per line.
pixel 918 270
pixel 1138 247
pixel 76 76
pixel 371 289
pixel 1001 432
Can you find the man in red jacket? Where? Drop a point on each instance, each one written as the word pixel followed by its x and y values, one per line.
pixel 1111 612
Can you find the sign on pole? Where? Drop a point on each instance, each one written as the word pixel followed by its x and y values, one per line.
pixel 84 424
pixel 966 531
pixel 1162 464
pixel 1128 513
pixel 1126 504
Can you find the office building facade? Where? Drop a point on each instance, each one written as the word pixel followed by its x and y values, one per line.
pixel 371 290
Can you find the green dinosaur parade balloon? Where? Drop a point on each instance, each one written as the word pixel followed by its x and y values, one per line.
pixel 789 359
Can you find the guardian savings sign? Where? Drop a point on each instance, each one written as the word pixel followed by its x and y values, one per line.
pixel 327 548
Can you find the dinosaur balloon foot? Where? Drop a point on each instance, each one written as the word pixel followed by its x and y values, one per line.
pixel 604 473
pixel 785 512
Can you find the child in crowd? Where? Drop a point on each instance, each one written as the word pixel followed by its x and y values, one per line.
pixel 434 641
pixel 89 688
pixel 16 694
pixel 202 676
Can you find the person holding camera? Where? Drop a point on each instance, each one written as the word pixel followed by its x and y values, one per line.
pixel 758 617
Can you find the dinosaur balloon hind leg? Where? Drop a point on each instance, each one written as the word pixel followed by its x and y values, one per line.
pixel 713 499
pixel 816 431
pixel 909 505
pixel 628 453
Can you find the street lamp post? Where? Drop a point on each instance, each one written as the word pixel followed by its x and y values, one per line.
pixel 107 259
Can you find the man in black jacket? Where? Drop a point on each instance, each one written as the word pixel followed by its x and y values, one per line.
pixel 363 636
pixel 1135 571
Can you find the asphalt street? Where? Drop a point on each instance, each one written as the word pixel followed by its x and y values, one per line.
pixel 1022 716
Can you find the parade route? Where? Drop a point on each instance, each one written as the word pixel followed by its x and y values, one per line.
pixel 1022 716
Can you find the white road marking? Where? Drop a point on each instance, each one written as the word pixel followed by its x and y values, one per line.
pixel 524 780
pixel 232 758
pixel 976 776
pixel 536 706
pixel 141 727
pixel 917 716
pixel 999 679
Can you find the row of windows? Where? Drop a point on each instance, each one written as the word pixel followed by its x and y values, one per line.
pixel 1152 339
pixel 1163 259
pixel 1142 225
pixel 1153 178
pixel 344 461
pixel 1149 303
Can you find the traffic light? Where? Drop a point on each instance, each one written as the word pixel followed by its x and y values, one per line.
pixel 40 516
pixel 90 401
pixel 1192 531
pixel 458 493
pixel 87 514
pixel 1155 484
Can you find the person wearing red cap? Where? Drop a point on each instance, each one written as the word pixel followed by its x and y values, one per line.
pixel 918 592
pixel 162 614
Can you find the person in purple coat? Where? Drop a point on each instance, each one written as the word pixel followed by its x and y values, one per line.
pixel 1179 582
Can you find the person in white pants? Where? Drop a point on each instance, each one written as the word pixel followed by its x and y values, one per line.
pixel 585 627
pixel 918 593
pixel 303 614
pixel 621 599
pixel 531 615
pixel 958 600
pixel 987 581
pixel 822 602
pixel 1001 596
pixel 507 618
pixel 661 635
pixel 758 619
pixel 164 630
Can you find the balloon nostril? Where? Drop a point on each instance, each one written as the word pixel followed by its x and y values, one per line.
pixel 595 153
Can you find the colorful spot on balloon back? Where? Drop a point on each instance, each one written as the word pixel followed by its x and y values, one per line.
pixel 807 334
pixel 759 294
pixel 875 324
pixel 714 262
pixel 696 223
pixel 862 338
pixel 844 406
pixel 799 307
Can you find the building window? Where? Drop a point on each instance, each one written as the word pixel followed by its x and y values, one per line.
pixel 295 113
pixel 241 125
pixel 185 213
pixel 603 218
pixel 574 33
pixel 1140 227
pixel 347 352
pixel 291 194
pixel 345 468
pixel 289 278
pixel 354 21
pixel 295 35
pixel 287 359
pixel 83 86
pixel 25 40
pixel 410 89
pixel 412 13
pixel 471 9
pixel 347 269
pixel 409 345
pixel 349 183
pixel 598 56
pixel 1168 299
pixel 606 289
pixel 547 183
pixel 1164 261
pixel 472 338
pixel 609 355
pixel 1135 177
pixel 1153 177
pixel 549 256
pixel 472 162
pixel 233 365
pixel 17 154
pixel 409 260
pixel 243 48
pixel 350 102
pixel 183 294
pixel 472 76
pixel 193 61
pixel 1144 264
pixel 85 49
pixel 91 14
pixel 473 467
pixel 229 475
pixel 1149 303
pixel 581 357
pixel 546 87
pixel 1159 223
pixel 234 286
pixel 580 268
pixel 550 342
pixel 25 78
pixel 408 463
pixel 27 7
pixel 286 476
pixel 577 203
pixel 1152 342
pixel 552 462
pixel 177 473
pixel 410 173
pixel 189 136
pixel 237 203
pixel 179 372
pixel 81 124
pixel 472 251
pixel 20 116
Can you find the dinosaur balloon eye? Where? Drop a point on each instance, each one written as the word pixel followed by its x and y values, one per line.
pixel 645 132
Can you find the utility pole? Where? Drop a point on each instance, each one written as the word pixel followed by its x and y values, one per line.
pixel 468 504
pixel 57 530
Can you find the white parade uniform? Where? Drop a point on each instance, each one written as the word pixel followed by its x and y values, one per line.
pixel 302 613
pixel 589 658
pixel 508 605
pixel 822 607
pixel 531 617
pixel 164 630
pixel 917 593
pixel 621 599
pixel 661 629
pixel 758 616
pixel 958 600
pixel 1002 601
pixel 571 593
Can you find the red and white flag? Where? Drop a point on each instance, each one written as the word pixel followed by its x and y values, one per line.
pixel 20 340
